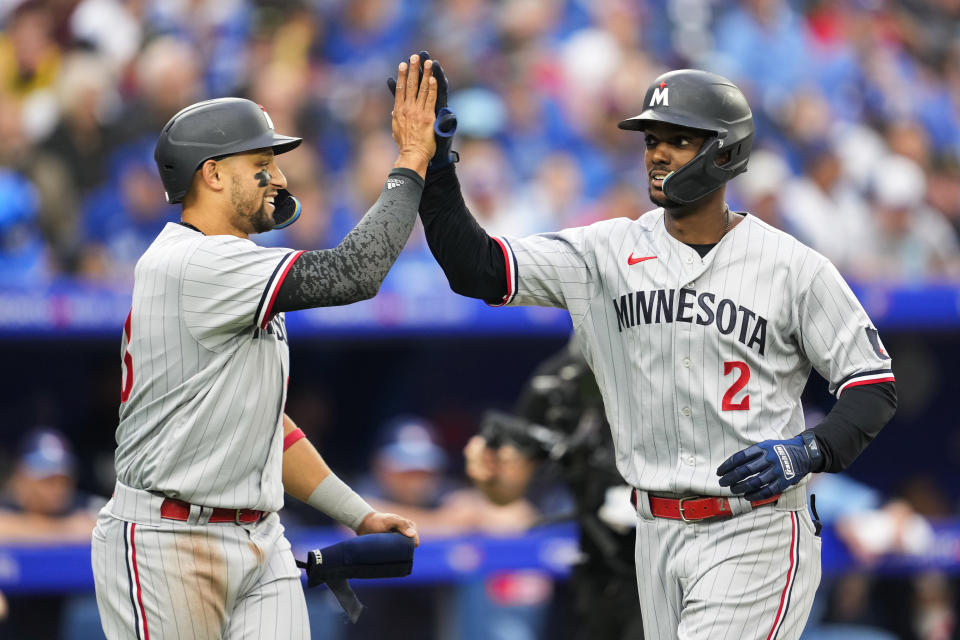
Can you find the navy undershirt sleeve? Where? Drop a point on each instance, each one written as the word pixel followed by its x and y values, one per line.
pixel 472 261
pixel 855 420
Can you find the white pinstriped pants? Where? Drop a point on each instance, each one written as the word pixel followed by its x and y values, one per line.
pixel 749 577
pixel 167 579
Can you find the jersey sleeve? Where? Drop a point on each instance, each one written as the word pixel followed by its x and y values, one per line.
pixel 230 285
pixel 549 270
pixel 838 336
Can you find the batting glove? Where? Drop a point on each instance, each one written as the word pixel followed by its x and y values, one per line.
pixel 770 467
pixel 446 123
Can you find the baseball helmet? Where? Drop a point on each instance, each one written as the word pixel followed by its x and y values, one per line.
pixel 705 101
pixel 212 129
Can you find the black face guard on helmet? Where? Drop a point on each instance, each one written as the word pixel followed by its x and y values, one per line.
pixel 707 102
pixel 214 129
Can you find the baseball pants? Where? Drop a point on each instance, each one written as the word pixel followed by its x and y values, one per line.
pixel 749 577
pixel 158 578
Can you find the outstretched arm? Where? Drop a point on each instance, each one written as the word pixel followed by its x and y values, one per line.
pixel 473 262
pixel 356 268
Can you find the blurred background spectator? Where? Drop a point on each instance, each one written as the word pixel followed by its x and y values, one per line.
pixel 41 504
pixel 845 93
pixel 41 501
pixel 411 473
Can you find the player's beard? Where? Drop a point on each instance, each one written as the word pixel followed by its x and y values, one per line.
pixel 251 220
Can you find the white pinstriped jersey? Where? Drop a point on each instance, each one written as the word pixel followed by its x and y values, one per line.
pixel 205 367
pixel 697 358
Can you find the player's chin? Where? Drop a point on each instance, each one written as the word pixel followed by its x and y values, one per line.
pixel 657 197
pixel 263 221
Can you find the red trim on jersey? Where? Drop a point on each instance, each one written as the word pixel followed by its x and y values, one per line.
pixel 292 437
pixel 268 313
pixel 508 264
pixel 127 362
pixel 791 574
pixel 860 383
pixel 136 576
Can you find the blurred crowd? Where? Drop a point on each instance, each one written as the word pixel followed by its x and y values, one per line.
pixel 856 103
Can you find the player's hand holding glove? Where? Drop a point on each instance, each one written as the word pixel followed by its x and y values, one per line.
pixel 770 467
pixel 377 555
pixel 446 123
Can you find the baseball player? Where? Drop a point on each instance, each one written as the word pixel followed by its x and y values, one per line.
pixel 701 325
pixel 190 545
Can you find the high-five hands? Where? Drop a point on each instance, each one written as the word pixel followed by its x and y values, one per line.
pixel 413 114
pixel 446 123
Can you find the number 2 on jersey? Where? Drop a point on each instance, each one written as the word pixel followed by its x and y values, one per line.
pixel 126 372
pixel 739 383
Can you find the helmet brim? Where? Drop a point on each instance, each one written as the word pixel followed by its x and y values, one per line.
pixel 267 140
pixel 686 120
pixel 282 144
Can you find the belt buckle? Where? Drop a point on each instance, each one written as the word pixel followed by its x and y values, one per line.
pixel 683 516
pixel 236 516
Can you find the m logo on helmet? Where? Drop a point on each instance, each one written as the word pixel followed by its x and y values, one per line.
pixel 660 96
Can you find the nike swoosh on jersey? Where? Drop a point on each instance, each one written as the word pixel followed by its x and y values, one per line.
pixel 632 261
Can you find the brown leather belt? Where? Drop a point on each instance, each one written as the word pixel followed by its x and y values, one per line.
pixel 694 508
pixel 173 509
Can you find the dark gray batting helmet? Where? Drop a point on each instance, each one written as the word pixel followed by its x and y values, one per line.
pixel 212 129
pixel 712 104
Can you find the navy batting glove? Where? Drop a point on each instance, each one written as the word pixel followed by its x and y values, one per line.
pixel 446 123
pixel 770 467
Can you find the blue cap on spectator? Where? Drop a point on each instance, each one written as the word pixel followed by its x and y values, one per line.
pixel 45 452
pixel 409 443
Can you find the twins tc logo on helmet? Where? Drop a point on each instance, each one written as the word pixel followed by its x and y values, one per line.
pixel 661 96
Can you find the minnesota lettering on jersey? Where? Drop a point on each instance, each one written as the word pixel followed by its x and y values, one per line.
pixel 668 305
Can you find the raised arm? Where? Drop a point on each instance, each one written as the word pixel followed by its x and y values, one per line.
pixel 356 268
pixel 473 262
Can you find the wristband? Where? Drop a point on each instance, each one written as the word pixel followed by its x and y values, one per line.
pixel 817 461
pixel 333 497
pixel 292 437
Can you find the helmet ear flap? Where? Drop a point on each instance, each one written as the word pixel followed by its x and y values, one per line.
pixel 703 175
pixel 688 184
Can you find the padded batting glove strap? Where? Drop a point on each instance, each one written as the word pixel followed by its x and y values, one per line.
pixel 768 468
